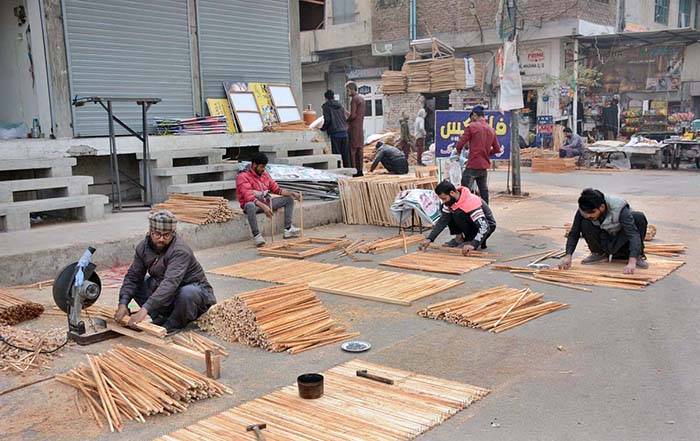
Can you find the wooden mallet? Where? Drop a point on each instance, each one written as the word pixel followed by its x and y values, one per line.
pixel 257 428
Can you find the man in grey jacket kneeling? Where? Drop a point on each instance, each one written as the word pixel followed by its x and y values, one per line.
pixel 165 279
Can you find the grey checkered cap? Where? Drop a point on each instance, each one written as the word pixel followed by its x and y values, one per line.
pixel 162 220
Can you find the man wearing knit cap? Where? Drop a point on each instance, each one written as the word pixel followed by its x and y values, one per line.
pixel 165 279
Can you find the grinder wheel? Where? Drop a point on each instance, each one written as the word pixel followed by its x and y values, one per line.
pixel 64 281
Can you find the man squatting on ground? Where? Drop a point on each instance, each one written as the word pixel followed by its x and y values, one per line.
pixel 610 228
pixel 468 217
pixel 392 159
pixel 165 279
pixel 254 189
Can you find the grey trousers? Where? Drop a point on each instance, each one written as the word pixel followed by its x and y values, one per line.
pixel 189 303
pixel 250 209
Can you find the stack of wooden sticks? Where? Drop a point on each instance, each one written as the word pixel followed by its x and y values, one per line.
pixel 281 318
pixel 393 82
pixel 15 310
pixel 292 126
pixel 392 243
pixel 665 249
pixel 199 343
pixel 16 360
pixel 553 165
pixel 132 383
pixel 198 210
pixel 107 313
pixel 496 309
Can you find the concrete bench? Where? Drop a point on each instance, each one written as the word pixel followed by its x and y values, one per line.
pixel 44 168
pixel 322 162
pixel 15 216
pixel 295 149
pixel 200 188
pixel 343 171
pixel 164 178
pixel 57 187
pixel 165 158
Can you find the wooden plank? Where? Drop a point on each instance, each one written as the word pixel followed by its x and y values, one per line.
pixel 155 341
pixel 437 262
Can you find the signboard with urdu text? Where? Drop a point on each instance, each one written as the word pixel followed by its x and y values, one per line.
pixel 450 124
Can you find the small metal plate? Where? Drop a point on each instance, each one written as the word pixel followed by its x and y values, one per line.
pixel 355 346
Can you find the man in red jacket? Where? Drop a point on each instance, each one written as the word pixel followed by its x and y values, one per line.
pixel 254 188
pixel 483 143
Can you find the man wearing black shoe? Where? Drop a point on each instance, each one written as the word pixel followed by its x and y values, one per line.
pixel 468 217
pixel 610 228
pixel 165 279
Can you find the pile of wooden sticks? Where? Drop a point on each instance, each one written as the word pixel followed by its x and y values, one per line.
pixel 199 343
pixel 15 310
pixel 16 360
pixel 281 318
pixel 379 246
pixel 651 231
pixel 553 165
pixel 495 310
pixel 198 210
pixel 665 249
pixel 107 313
pixel 132 383
pixel 367 200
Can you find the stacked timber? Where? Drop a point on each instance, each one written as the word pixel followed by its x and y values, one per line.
pixel 437 262
pixel 387 244
pixel 461 74
pixel 133 383
pixel 418 74
pixel 281 318
pixel 198 210
pixel 443 74
pixel 199 343
pixel 665 249
pixel 352 409
pixel 394 82
pixel 367 200
pixel 107 313
pixel 293 126
pixel 495 310
pixel 41 344
pixel 553 165
pixel 15 309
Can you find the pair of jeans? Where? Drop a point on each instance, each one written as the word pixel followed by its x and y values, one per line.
pixel 618 245
pixel 481 177
pixel 251 210
pixel 341 146
pixel 187 305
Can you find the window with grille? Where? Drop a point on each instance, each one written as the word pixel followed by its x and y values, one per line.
pixel 387 3
pixel 661 11
pixel 343 11
pixel 684 14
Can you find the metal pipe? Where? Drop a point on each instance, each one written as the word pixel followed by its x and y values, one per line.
pixel 114 159
pixel 413 20
pixel 574 110
pixel 147 194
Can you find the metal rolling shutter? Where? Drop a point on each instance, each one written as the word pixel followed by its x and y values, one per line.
pixel 128 48
pixel 243 40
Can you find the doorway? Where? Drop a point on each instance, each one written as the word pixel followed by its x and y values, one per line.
pixel 371 90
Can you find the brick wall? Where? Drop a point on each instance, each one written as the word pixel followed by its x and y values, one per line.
pixel 463 99
pixel 395 105
pixel 597 12
pixel 390 22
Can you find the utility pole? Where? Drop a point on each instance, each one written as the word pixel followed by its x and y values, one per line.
pixel 514 114
pixel 574 107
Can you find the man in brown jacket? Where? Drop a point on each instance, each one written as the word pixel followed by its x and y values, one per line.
pixel 165 279
pixel 355 127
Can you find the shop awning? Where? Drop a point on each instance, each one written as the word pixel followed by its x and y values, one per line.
pixel 650 38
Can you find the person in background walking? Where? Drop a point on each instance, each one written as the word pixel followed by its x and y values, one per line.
pixel 337 128
pixel 483 143
pixel 419 133
pixel 355 127
pixel 405 143
pixel 392 159
pixel 573 145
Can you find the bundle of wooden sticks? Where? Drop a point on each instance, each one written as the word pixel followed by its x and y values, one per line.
pixel 16 360
pixel 132 383
pixel 107 313
pixel 199 343
pixel 665 249
pixel 287 127
pixel 198 210
pixel 281 318
pixel 496 309
pixel 15 310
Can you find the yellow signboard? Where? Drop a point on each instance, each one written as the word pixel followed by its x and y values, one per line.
pixel 262 98
pixel 219 107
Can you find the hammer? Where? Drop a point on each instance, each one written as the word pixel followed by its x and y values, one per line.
pixel 257 428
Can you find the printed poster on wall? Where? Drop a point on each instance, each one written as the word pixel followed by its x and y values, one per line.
pixel 450 124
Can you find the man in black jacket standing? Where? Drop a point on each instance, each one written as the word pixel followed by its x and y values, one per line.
pixel 335 124
pixel 165 279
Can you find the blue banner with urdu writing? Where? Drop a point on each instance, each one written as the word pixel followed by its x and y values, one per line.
pixel 450 124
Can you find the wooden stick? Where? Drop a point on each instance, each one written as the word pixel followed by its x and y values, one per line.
pixel 525 256
pixel 563 285
pixel 301 215
pixel 525 292
pixel 23 385
pixel 405 242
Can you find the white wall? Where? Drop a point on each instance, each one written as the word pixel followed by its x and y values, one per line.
pixel 19 99
pixel 691 63
pixel 641 13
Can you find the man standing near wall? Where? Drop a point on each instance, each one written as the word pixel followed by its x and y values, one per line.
pixel 355 127
pixel 337 128
pixel 483 143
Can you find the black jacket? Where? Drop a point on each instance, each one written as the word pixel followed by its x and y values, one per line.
pixel 175 267
pixel 334 117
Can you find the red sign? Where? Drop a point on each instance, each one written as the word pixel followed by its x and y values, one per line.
pixel 535 56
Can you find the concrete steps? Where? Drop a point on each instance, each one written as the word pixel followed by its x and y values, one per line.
pixel 41 168
pixel 321 162
pixel 294 149
pixel 166 158
pixel 167 177
pixel 16 215
pixel 203 188
pixel 44 188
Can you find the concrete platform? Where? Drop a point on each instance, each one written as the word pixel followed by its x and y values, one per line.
pixel 296 149
pixel 65 186
pixel 37 254
pixel 322 162
pixel 165 158
pixel 202 188
pixel 45 168
pixel 179 179
pixel 15 216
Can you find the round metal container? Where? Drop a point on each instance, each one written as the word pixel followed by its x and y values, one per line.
pixel 310 386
